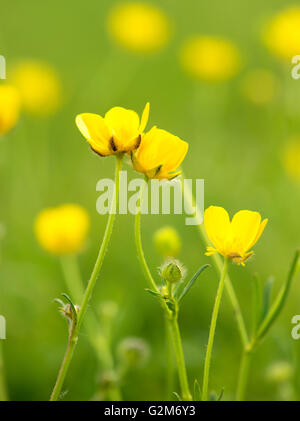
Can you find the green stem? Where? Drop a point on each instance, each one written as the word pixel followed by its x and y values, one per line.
pixel 97 340
pixel 172 319
pixel 185 391
pixel 212 330
pixel 218 264
pixel 243 375
pixel 3 390
pixel 89 289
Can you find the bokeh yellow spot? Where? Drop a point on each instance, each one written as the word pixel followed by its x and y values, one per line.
pixel 167 242
pixel 139 27
pixel 260 86
pixel 210 59
pixel 39 87
pixel 291 158
pixel 282 33
pixel 63 229
pixel 9 108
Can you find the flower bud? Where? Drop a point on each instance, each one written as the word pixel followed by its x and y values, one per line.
pixel 167 242
pixel 107 381
pixel 133 351
pixel 172 271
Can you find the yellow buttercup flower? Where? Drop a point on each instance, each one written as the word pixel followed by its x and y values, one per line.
pixel 211 59
pixel 291 159
pixel 39 87
pixel 139 27
pixel 118 132
pixel 63 229
pixel 9 108
pixel 159 154
pixel 233 239
pixel 282 33
pixel 260 86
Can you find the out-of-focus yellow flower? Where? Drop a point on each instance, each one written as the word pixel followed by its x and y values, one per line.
pixel 233 238
pixel 260 86
pixel 118 132
pixel 159 154
pixel 279 372
pixel 282 33
pixel 39 87
pixel 139 27
pixel 9 108
pixel 291 159
pixel 63 229
pixel 167 242
pixel 210 59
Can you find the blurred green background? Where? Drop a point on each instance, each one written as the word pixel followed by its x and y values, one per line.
pixel 235 145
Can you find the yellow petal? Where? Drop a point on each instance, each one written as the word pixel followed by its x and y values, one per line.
pixel 217 225
pixel 94 128
pixel 259 233
pixel 125 126
pixel 161 148
pixel 145 117
pixel 244 227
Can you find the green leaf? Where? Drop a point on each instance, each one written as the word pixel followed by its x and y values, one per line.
pixel 155 293
pixel 197 391
pixel 279 301
pixel 72 306
pixel 257 303
pixel 177 396
pixel 220 394
pixel 191 283
pixel 267 297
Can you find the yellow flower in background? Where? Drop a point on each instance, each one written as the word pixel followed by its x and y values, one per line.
pixel 63 229
pixel 282 33
pixel 39 87
pixel 233 239
pixel 210 59
pixel 118 132
pixel 159 154
pixel 9 108
pixel 167 242
pixel 260 86
pixel 291 158
pixel 139 27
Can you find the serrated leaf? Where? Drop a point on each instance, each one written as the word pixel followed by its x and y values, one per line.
pixel 191 282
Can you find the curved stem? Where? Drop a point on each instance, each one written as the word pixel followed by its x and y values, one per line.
pixel 89 289
pixel 212 330
pixel 171 318
pixel 97 340
pixel 243 375
pixel 3 390
pixel 218 264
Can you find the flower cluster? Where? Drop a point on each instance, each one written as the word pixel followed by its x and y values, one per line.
pixel 156 153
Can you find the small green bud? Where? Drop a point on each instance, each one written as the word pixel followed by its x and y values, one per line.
pixel 280 372
pixel 172 271
pixel 107 381
pixel 167 242
pixel 134 352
